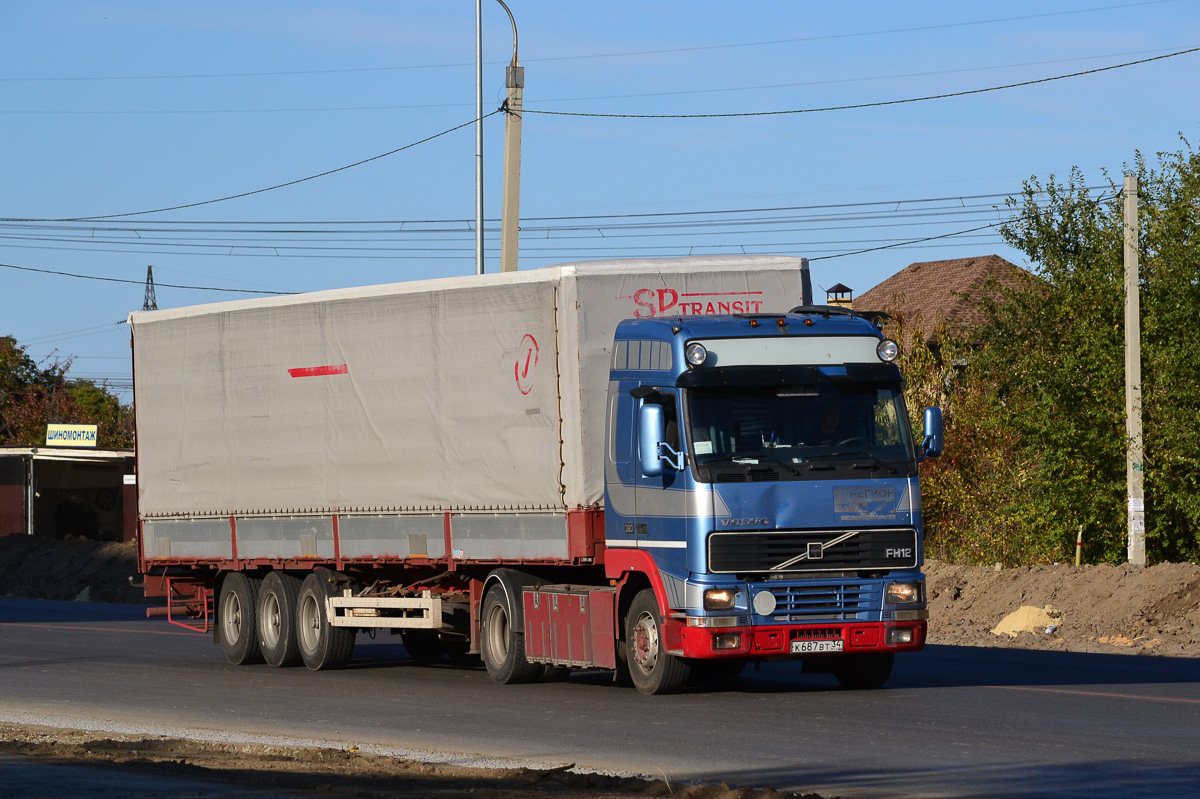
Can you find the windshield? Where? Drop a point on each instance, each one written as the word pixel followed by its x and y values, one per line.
pixel 791 425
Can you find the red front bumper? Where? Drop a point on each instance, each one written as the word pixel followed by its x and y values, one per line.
pixel 777 640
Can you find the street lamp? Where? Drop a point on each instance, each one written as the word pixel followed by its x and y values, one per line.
pixel 510 213
pixel 511 210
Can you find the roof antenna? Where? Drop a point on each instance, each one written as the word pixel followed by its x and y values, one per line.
pixel 150 303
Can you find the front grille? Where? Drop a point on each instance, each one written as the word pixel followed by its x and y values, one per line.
pixel 812 550
pixel 824 602
pixel 816 633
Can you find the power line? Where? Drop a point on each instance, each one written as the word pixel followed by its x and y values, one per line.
pixel 877 104
pixel 676 93
pixel 270 188
pixel 139 282
pixel 72 333
pixel 586 56
pixel 143 224
pixel 828 82
pixel 906 243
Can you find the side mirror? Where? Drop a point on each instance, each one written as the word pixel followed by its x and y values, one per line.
pixel 652 450
pixel 931 446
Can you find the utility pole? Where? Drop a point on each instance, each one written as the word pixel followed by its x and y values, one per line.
pixel 511 212
pixel 150 303
pixel 479 137
pixel 1133 380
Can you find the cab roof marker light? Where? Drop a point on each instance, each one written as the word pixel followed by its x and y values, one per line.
pixel 887 350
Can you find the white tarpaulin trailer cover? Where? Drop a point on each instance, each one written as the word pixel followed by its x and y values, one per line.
pixel 479 393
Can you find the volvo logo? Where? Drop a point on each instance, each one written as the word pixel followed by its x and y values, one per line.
pixel 746 522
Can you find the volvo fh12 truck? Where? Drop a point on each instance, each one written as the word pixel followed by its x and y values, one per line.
pixel 660 467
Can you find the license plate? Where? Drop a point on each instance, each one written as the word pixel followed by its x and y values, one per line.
pixel 805 647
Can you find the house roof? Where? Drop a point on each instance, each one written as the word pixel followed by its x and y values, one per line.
pixel 946 290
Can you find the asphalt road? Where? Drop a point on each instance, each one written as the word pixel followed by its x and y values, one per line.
pixel 953 721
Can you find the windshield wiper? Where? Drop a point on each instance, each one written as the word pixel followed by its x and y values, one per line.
pixel 876 463
pixel 778 461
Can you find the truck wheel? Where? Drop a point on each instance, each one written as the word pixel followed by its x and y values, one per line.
pixel 277 619
pixel 235 614
pixel 864 671
pixel 651 668
pixel 423 645
pixel 503 647
pixel 322 646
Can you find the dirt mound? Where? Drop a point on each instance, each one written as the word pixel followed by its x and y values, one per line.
pixel 1096 608
pixel 74 569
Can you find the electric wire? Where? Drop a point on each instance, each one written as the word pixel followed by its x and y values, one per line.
pixel 143 225
pixel 853 106
pixel 585 56
pixel 638 95
pixel 140 282
pixel 277 186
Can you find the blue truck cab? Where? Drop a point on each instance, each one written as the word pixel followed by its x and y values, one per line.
pixel 760 468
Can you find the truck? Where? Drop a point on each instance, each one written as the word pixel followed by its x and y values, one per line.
pixel 668 468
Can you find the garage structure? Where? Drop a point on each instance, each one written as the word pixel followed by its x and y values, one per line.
pixel 67 492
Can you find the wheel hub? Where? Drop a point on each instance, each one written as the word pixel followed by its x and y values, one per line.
pixel 645 643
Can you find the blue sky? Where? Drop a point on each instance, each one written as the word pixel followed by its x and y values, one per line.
pixel 115 108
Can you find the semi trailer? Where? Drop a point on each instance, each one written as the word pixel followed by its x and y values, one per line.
pixel 666 468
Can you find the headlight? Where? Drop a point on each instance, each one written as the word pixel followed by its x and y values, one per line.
pixel 719 598
pixel 887 350
pixel 695 353
pixel 903 593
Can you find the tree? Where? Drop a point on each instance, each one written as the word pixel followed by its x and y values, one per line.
pixel 33 395
pixel 1054 358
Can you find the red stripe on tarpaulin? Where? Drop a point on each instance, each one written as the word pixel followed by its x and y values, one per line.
pixel 318 371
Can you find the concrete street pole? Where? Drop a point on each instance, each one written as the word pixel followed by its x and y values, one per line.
pixel 511 211
pixel 479 137
pixel 1133 381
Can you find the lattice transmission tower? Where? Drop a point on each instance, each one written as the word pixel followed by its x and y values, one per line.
pixel 150 303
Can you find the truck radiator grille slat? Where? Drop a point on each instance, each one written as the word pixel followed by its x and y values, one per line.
pixel 812 550
pixel 823 602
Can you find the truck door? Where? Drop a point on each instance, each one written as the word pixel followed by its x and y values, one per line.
pixel 660 502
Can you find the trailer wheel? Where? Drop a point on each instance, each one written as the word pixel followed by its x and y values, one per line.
pixel 235 613
pixel 277 619
pixel 504 647
pixel 865 671
pixel 423 646
pixel 652 669
pixel 322 646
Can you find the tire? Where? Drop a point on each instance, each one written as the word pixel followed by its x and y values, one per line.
pixel 423 646
pixel 503 648
pixel 236 617
pixel 653 670
pixel 321 645
pixel 277 619
pixel 864 672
